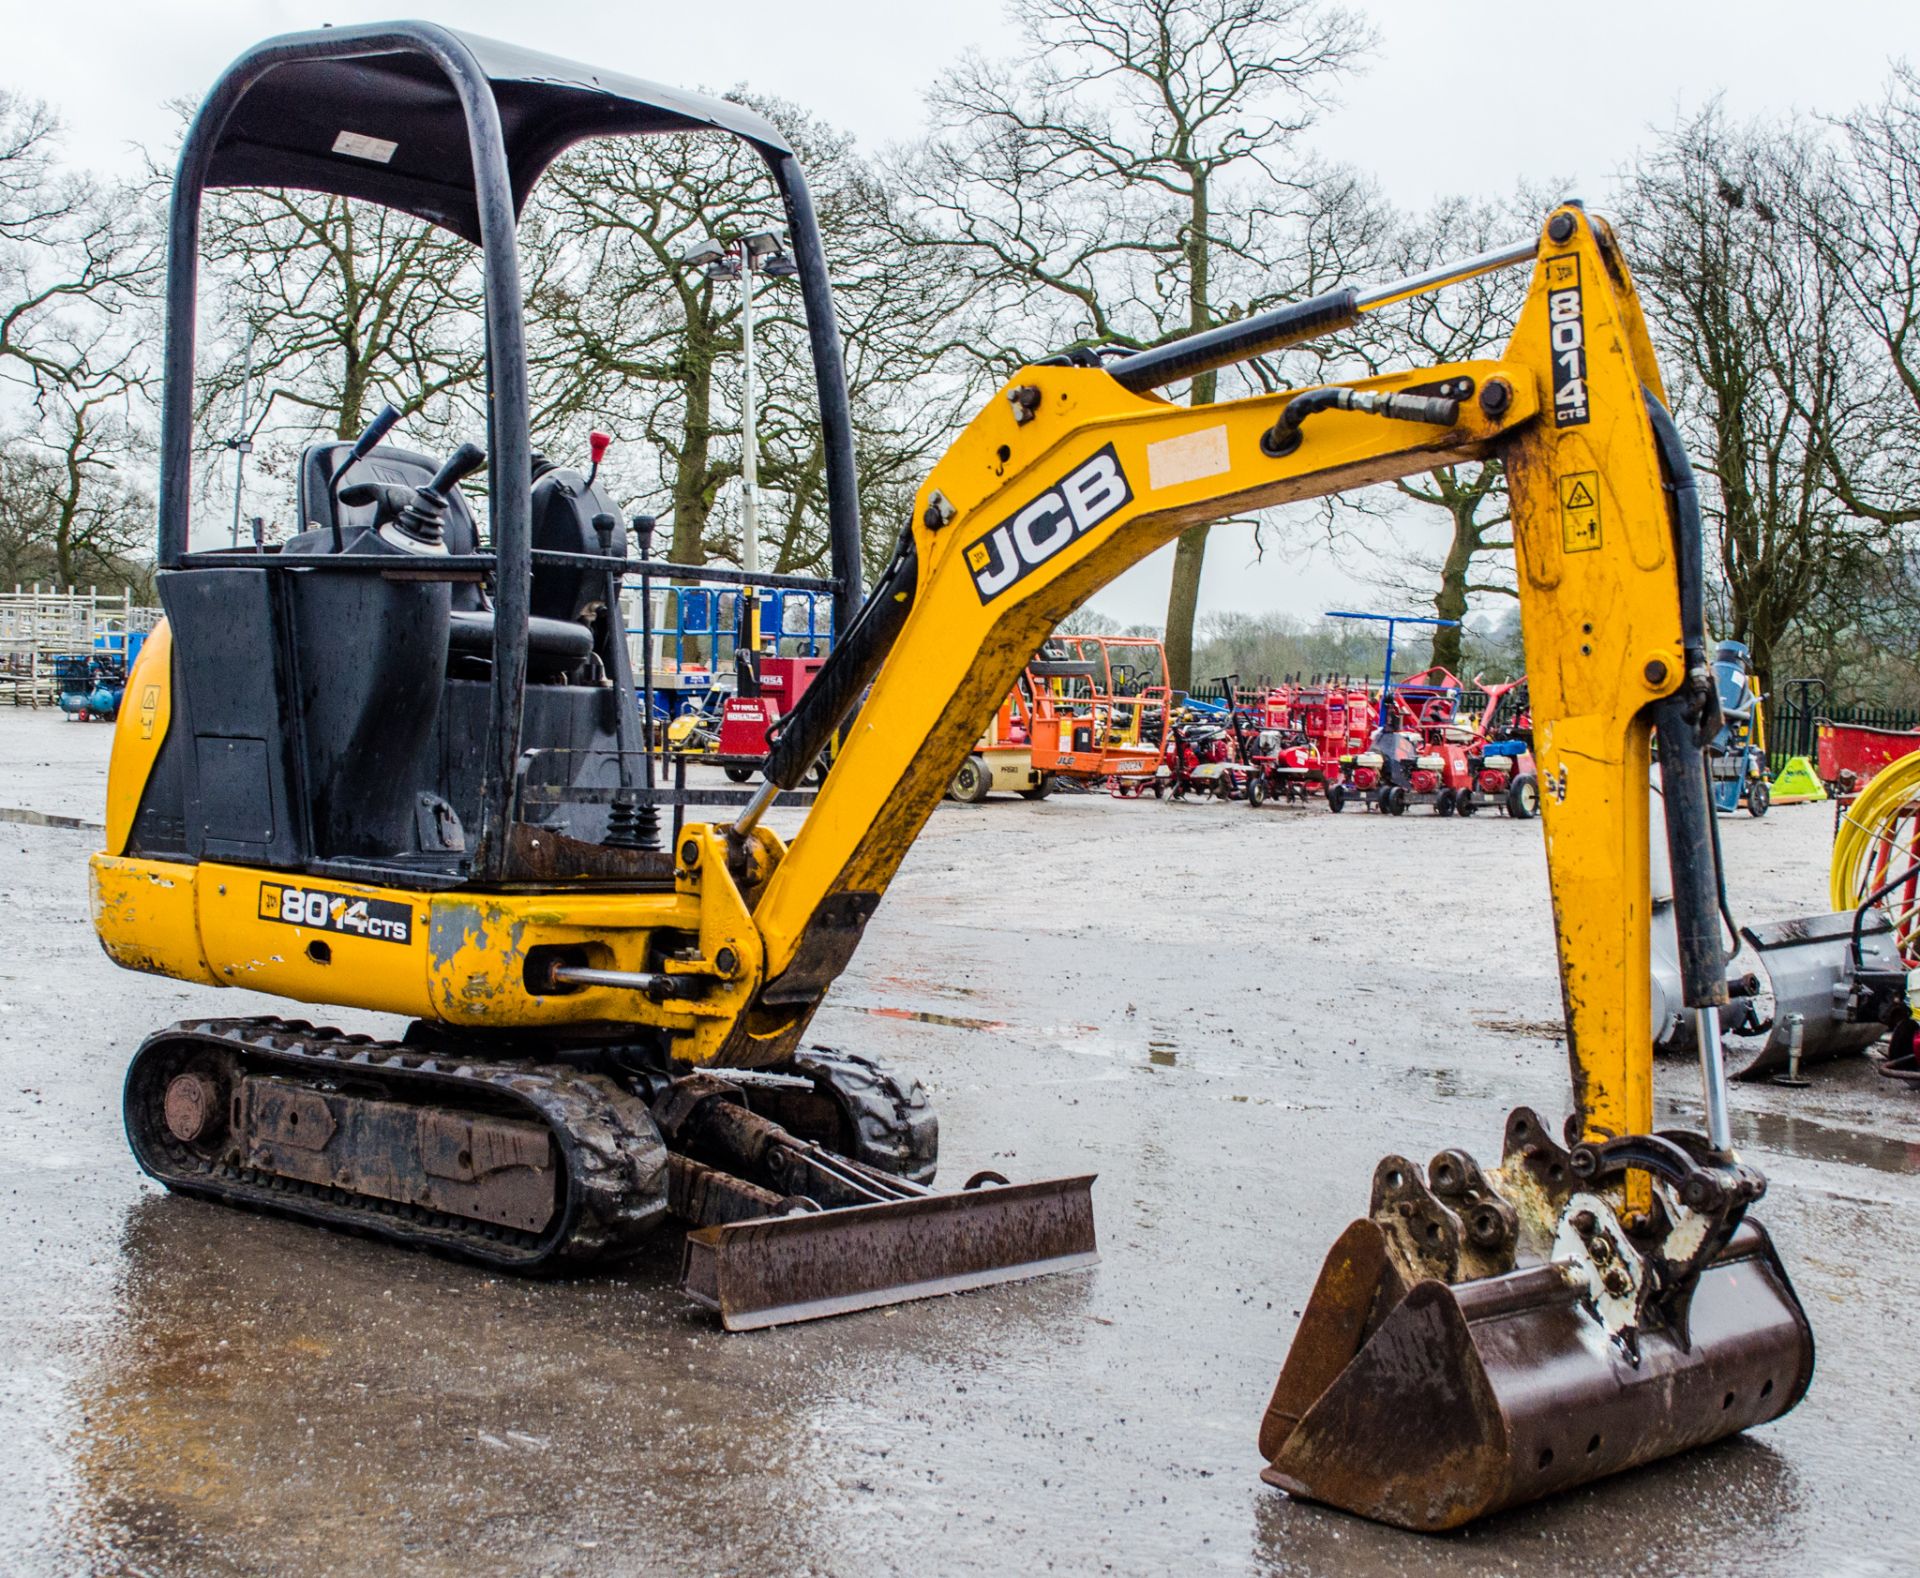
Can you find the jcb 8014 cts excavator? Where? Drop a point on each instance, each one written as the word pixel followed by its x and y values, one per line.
pixel 395 764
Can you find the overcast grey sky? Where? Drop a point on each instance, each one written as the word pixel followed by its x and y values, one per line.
pixel 1459 97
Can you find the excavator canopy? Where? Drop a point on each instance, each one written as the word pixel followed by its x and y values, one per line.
pixel 387 125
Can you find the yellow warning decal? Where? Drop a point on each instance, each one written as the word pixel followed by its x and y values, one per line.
pixel 1580 511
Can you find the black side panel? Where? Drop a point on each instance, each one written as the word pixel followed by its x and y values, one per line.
pixel 229 740
pixel 372 661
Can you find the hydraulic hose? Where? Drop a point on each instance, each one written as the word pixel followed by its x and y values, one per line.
pixel 1684 723
pixel 1283 438
pixel 799 737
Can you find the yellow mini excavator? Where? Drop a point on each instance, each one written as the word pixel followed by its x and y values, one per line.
pixel 395 764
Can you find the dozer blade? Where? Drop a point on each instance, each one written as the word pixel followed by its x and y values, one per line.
pixel 1427 1406
pixel 779 1269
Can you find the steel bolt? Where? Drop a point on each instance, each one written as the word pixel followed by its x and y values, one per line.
pixel 1617 1282
pixel 726 961
pixel 1560 229
pixel 1656 671
pixel 1584 1222
pixel 1600 1249
pixel 690 854
pixel 1496 397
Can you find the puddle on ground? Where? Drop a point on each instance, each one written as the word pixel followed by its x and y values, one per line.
pixel 926 1016
pixel 909 985
pixel 1814 1141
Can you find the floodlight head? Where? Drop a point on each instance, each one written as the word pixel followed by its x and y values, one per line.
pixel 764 243
pixel 704 253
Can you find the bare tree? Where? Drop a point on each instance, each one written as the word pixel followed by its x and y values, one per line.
pixel 1474 318
pixel 1134 168
pixel 68 514
pixel 326 308
pixel 74 260
pixel 627 335
pixel 75 268
pixel 1756 343
pixel 1868 233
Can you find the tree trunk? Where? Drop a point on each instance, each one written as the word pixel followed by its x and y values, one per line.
pixel 1189 557
pixel 1450 602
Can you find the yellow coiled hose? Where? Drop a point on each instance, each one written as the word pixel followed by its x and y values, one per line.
pixel 1879 838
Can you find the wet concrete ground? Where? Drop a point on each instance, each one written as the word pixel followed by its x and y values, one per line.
pixel 1229 1015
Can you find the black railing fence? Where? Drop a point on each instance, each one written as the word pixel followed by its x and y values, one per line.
pixel 1792 727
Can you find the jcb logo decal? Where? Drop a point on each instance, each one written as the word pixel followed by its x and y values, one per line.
pixel 1080 501
pixel 1567 332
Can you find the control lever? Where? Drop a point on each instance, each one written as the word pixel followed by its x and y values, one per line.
pixel 363 446
pixel 418 514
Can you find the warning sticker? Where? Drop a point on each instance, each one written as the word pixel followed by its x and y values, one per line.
pixel 1580 511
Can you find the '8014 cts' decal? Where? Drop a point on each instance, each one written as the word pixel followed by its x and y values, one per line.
pixel 384 920
pixel 1567 332
pixel 1073 506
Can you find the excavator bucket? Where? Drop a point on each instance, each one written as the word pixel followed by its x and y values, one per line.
pixel 1425 1403
pixel 775 1270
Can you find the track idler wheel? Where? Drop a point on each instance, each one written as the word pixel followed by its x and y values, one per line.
pixel 1478 1341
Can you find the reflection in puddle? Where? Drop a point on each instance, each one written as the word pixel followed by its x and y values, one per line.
pixel 926 1016
pixel 1814 1141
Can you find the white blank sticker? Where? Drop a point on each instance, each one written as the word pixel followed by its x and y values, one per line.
pixel 1187 458
pixel 377 149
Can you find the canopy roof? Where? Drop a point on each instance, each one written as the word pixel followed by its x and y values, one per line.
pixel 389 128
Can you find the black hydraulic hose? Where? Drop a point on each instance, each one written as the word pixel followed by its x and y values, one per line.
pixel 1236 342
pixel 798 739
pixel 1860 913
pixel 1283 438
pixel 1683 724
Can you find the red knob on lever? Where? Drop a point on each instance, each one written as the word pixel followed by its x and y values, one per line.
pixel 597 446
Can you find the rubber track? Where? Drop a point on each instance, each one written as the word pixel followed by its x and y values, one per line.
pixel 614 1189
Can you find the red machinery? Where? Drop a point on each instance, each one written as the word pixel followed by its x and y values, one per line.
pixel 1426 754
pixel 1851 753
pixel 1418 754
pixel 1200 758
pixel 1500 755
pixel 770 687
pixel 1304 732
